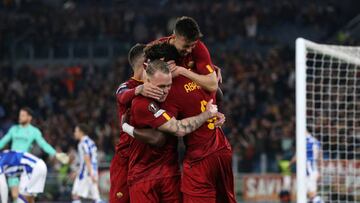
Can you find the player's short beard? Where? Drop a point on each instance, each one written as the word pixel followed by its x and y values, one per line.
pixel 24 122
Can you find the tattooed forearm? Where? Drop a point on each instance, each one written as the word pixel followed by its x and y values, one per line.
pixel 185 126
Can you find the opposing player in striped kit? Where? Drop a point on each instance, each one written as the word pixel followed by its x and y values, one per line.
pixel 313 157
pixel 86 182
pixel 33 174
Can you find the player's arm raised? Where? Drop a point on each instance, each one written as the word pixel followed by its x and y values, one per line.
pixel 188 125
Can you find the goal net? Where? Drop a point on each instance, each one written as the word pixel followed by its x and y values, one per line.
pixel 328 107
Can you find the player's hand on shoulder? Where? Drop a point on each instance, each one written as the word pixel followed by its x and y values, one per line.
pixel 151 91
pixel 212 108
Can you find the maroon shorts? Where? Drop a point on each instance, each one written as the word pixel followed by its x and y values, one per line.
pixel 157 190
pixel 209 180
pixel 119 190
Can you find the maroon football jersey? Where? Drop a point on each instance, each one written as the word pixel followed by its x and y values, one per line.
pixel 124 95
pixel 187 99
pixel 147 162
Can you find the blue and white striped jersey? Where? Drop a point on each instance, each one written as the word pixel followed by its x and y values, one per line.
pixel 312 154
pixel 14 163
pixel 87 147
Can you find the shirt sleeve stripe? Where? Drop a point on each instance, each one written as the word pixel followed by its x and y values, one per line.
pixel 210 68
pixel 166 116
pixel 121 88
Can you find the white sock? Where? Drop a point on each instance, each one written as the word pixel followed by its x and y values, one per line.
pixel 4 190
pixel 76 201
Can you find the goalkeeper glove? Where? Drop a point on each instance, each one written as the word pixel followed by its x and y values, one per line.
pixel 62 157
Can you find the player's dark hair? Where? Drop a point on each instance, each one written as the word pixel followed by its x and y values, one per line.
pixel 84 128
pixel 187 27
pixel 135 52
pixel 157 65
pixel 161 50
pixel 28 110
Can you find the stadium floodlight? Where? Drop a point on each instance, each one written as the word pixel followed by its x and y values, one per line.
pixel 328 106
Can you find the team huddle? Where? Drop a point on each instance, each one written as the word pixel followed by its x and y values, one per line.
pixel 173 93
pixel 172 97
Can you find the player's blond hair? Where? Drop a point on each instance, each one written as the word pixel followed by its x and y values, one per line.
pixel 157 65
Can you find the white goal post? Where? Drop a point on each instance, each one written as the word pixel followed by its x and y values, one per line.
pixel 328 106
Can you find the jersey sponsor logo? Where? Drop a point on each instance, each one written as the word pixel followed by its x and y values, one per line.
pixel 191 86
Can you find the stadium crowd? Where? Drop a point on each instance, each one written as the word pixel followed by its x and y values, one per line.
pixel 43 23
